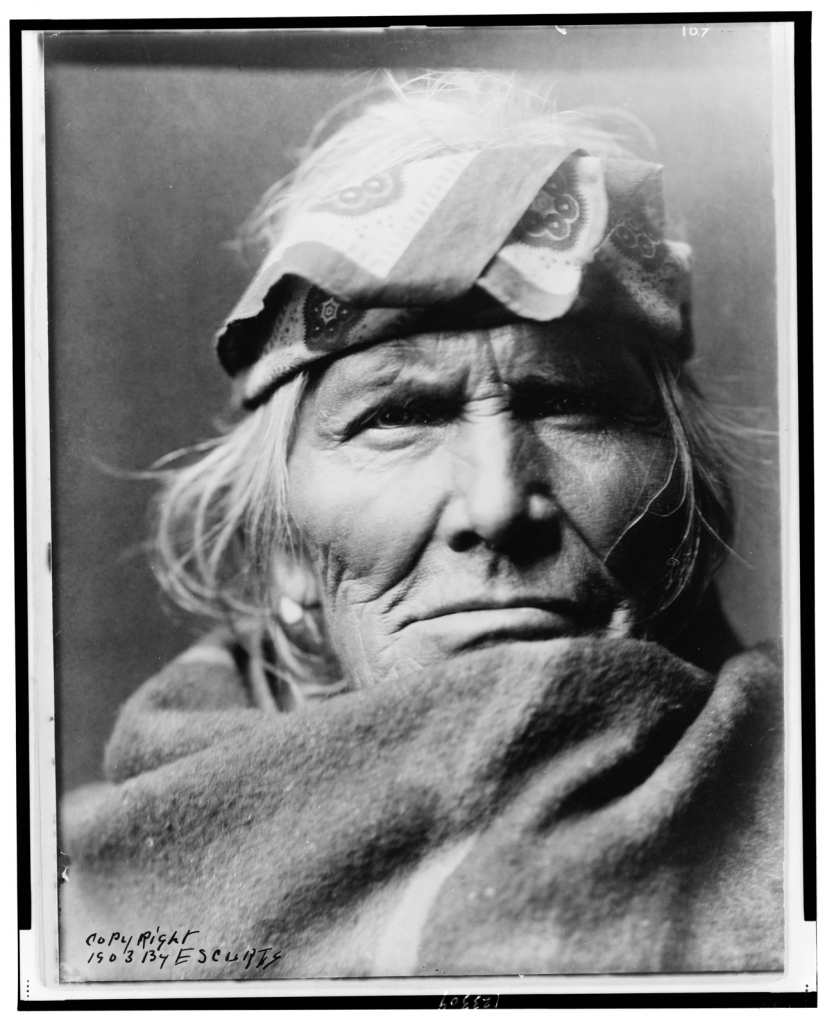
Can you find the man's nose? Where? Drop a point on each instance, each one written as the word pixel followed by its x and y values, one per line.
pixel 501 491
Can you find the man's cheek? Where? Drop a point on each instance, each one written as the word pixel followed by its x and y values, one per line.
pixel 379 528
pixel 613 497
pixel 359 569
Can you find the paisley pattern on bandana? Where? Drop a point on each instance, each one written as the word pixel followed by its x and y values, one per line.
pixel 373 193
pixel 327 321
pixel 556 215
pixel 635 239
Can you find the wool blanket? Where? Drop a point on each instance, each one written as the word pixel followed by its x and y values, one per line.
pixel 580 806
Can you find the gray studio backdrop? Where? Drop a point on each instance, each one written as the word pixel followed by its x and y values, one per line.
pixel 157 149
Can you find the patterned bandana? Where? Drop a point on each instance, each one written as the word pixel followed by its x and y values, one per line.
pixel 461 241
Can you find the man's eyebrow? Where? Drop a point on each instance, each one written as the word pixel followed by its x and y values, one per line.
pixel 538 380
pixel 394 377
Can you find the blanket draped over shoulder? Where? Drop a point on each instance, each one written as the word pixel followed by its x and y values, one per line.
pixel 582 806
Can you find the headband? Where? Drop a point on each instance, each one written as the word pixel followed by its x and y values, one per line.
pixel 461 241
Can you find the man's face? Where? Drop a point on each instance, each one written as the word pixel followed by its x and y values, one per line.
pixel 455 491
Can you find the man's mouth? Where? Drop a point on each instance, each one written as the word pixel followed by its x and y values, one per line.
pixel 552 606
pixel 473 622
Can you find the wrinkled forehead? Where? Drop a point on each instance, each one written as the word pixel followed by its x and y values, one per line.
pixel 590 354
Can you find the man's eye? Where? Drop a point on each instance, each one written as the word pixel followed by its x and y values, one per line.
pixel 591 410
pixel 408 414
pixel 545 405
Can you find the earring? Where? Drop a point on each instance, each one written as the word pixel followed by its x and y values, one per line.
pixel 290 611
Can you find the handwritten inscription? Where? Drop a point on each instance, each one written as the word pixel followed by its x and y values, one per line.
pixel 169 949
pixel 468 1002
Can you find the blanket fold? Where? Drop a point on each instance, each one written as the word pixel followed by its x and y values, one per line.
pixel 576 807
